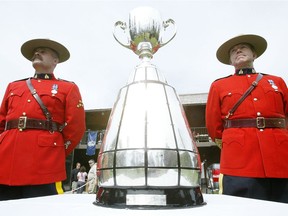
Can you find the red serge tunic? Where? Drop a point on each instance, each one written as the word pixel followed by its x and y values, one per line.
pixel 34 156
pixel 250 152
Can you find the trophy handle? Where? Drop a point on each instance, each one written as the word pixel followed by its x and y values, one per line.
pixel 123 26
pixel 166 24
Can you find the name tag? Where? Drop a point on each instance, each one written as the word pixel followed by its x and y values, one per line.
pixel 146 199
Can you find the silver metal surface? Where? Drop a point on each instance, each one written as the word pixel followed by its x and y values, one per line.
pixel 148 141
pixel 145 25
pixel 148 146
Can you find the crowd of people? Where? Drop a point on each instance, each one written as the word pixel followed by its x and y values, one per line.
pixel 83 182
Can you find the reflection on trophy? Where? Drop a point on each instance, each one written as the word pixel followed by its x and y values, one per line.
pixel 148 157
pixel 145 25
pixel 101 134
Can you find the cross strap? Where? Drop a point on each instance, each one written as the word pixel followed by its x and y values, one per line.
pixel 38 99
pixel 248 91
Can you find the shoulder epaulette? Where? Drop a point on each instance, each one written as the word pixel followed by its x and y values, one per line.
pixel 223 77
pixel 263 73
pixel 65 80
pixel 22 79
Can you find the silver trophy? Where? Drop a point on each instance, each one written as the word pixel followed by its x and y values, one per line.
pixel 145 26
pixel 148 157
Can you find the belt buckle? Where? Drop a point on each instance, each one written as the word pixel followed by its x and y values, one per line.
pixel 260 122
pixel 22 123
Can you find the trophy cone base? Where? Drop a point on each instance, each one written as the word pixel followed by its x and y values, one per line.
pixel 149 198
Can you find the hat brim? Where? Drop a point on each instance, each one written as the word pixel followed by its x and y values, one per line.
pixel 28 48
pixel 258 43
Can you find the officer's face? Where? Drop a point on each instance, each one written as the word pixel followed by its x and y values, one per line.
pixel 44 60
pixel 242 56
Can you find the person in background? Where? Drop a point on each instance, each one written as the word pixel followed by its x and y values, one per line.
pixel 250 127
pixel 92 178
pixel 74 178
pixel 82 176
pixel 42 119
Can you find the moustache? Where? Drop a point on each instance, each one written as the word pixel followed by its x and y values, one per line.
pixel 36 57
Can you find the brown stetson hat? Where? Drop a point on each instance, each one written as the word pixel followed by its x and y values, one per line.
pixel 257 42
pixel 28 48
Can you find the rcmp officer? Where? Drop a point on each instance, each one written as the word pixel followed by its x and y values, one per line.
pixel 42 119
pixel 249 125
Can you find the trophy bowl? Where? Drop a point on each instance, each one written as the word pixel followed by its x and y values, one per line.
pixel 145 25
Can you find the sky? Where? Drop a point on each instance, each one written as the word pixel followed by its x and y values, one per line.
pixel 100 66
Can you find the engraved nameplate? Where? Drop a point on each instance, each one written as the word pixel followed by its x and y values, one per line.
pixel 146 199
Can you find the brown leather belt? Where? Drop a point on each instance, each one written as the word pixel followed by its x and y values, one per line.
pixel 27 123
pixel 259 122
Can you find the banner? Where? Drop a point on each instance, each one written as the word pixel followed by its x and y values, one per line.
pixel 91 143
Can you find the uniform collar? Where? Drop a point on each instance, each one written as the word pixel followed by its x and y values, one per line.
pixel 46 76
pixel 244 71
